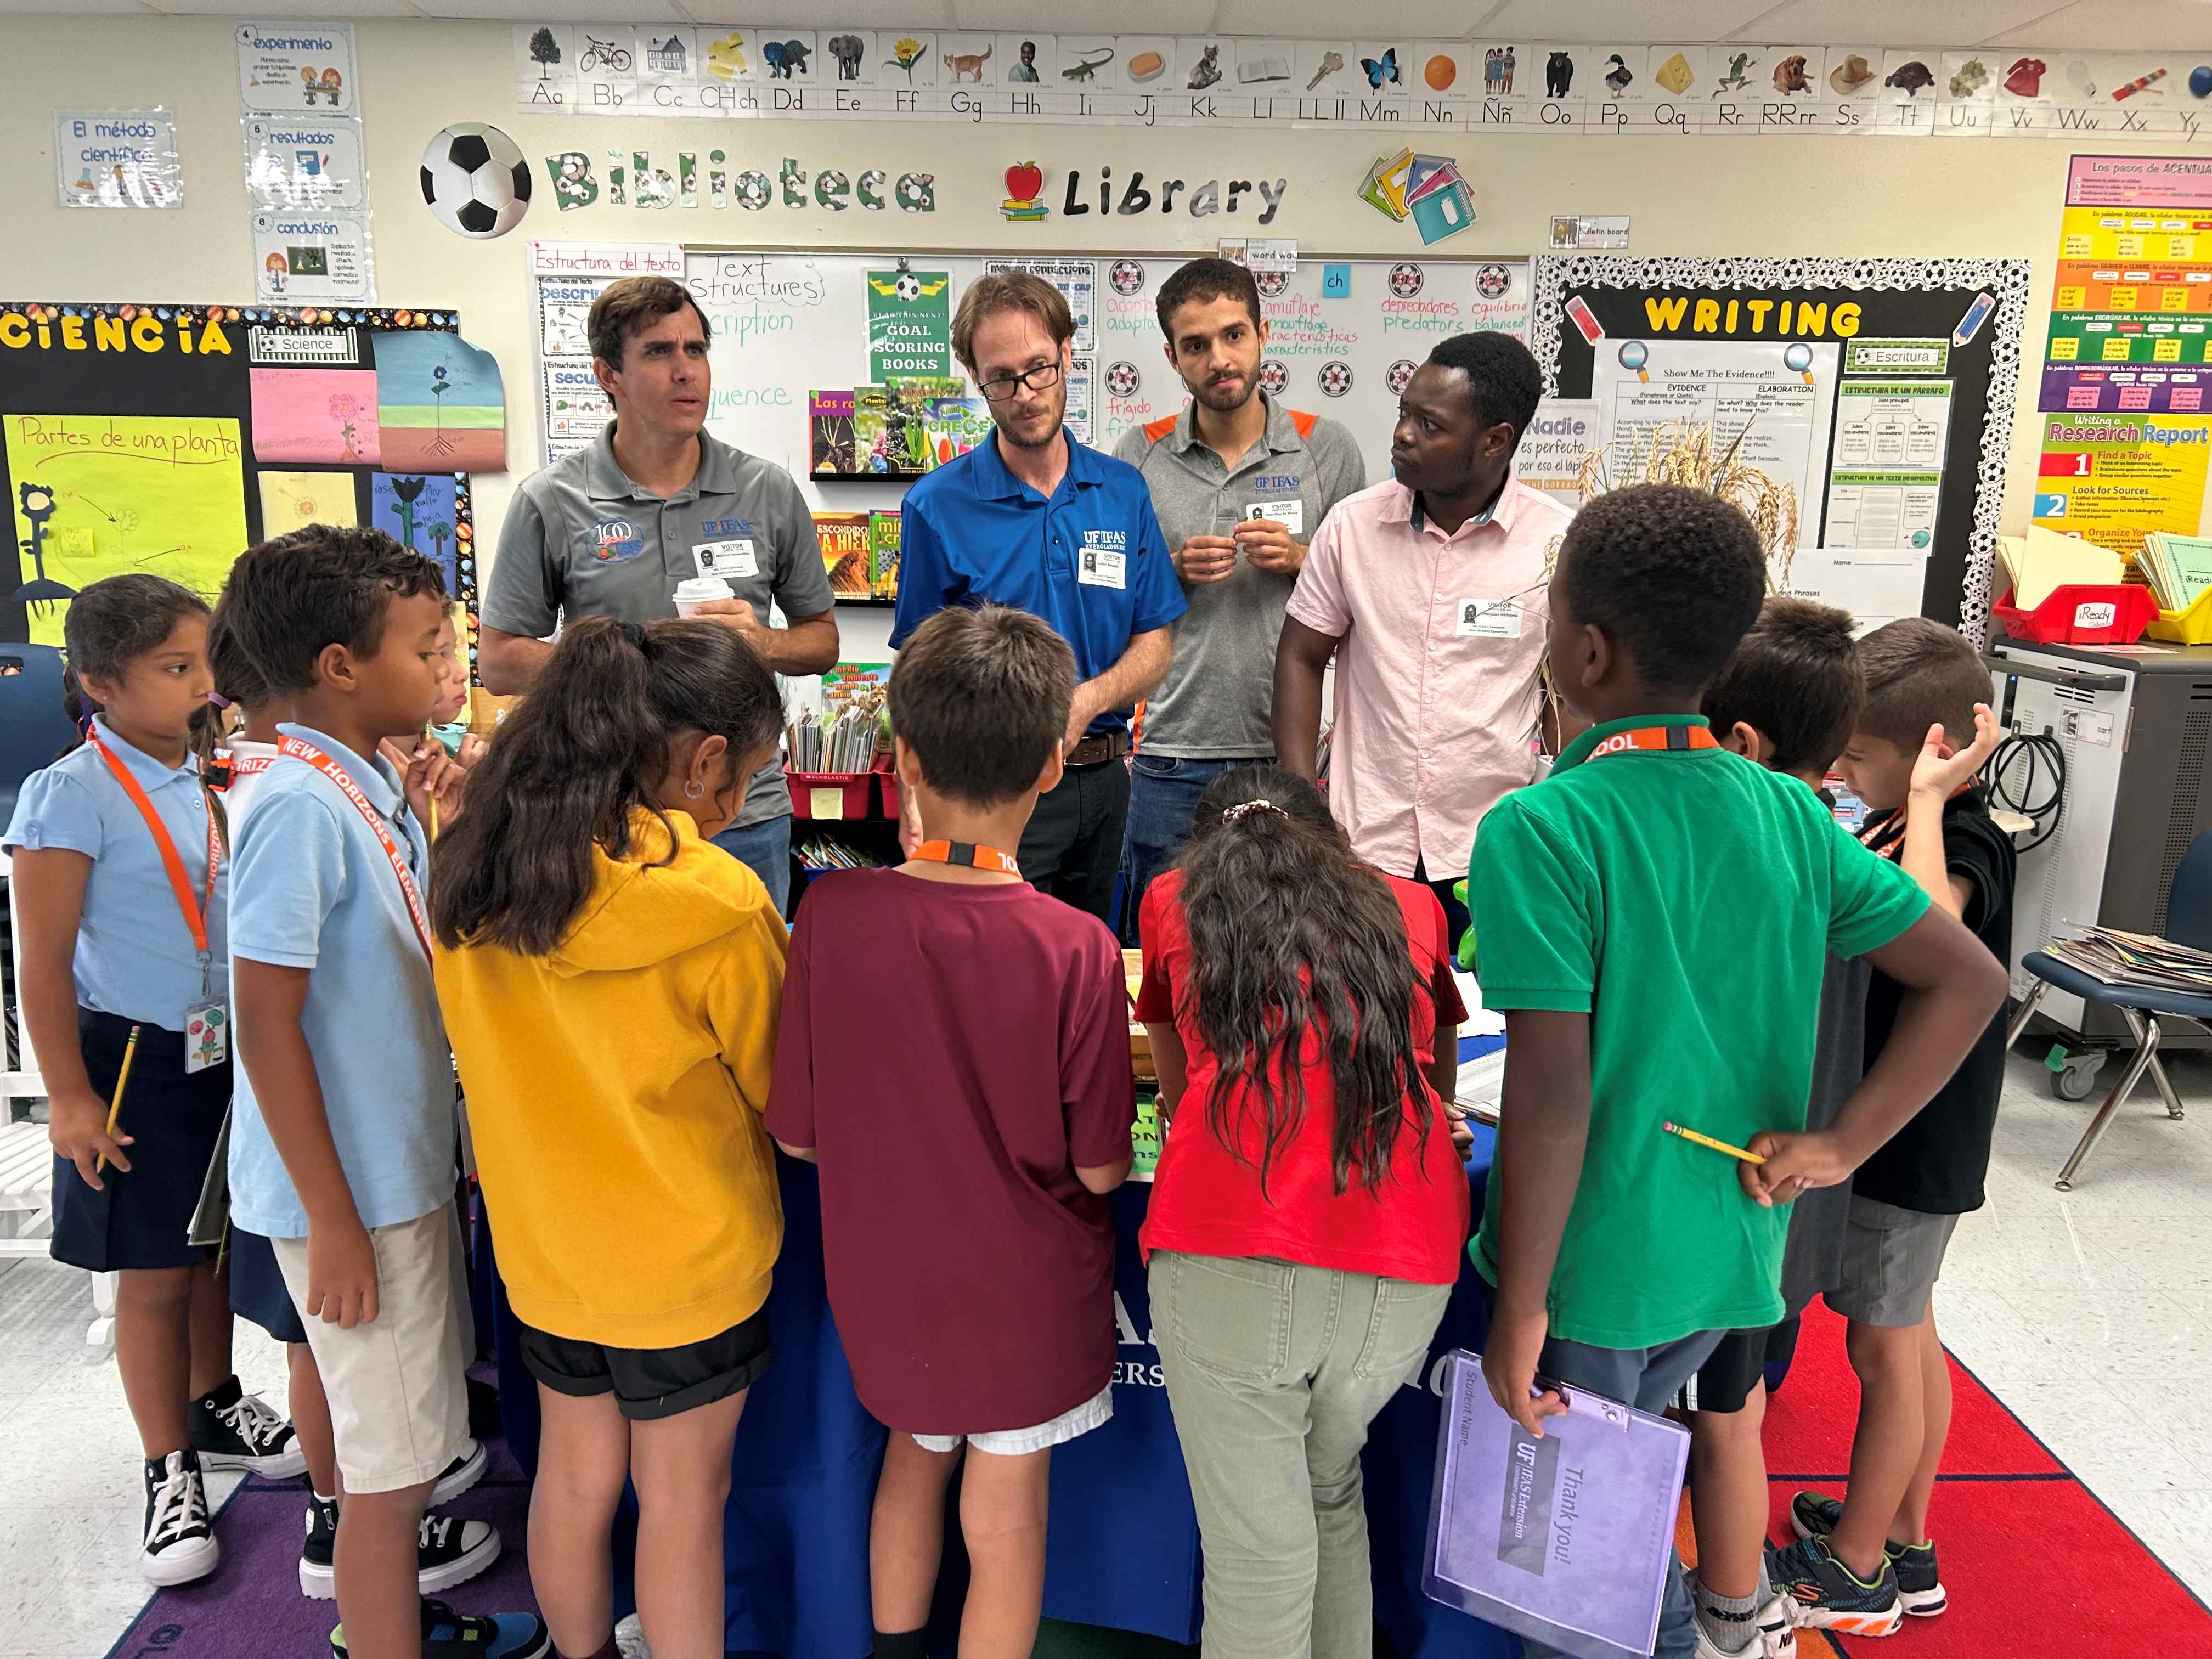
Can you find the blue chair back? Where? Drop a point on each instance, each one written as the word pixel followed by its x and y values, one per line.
pixel 2188 899
pixel 33 728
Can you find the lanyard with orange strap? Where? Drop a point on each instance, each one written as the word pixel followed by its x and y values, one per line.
pixel 300 749
pixel 206 1022
pixel 967 853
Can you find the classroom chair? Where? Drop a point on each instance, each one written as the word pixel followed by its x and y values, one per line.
pixel 2188 921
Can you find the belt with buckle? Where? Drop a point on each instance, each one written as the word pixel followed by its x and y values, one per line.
pixel 1099 748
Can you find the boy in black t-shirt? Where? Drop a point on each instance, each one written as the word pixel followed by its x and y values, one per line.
pixel 1926 691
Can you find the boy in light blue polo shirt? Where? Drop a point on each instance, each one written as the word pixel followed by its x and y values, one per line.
pixel 344 1134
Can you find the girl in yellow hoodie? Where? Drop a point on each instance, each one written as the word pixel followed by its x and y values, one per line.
pixel 611 981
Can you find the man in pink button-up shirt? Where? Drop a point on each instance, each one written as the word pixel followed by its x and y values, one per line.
pixel 1430 591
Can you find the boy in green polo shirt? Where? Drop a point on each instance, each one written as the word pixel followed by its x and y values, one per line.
pixel 1653 920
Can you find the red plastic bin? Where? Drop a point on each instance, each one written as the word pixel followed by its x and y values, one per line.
pixel 830 794
pixel 2081 614
pixel 887 791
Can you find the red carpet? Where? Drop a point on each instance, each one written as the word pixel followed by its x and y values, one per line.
pixel 2036 1567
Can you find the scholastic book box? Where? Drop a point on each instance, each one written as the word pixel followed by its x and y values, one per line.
pixel 884 552
pixel 845 552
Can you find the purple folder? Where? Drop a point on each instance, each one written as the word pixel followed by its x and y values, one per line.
pixel 1567 1540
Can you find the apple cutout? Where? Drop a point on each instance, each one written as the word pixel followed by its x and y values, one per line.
pixel 1024 181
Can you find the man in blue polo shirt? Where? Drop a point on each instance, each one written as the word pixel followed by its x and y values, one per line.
pixel 1036 520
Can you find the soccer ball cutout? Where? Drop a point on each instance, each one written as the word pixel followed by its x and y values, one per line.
pixel 1405 281
pixel 1272 284
pixel 1492 282
pixel 476 180
pixel 1335 379
pixel 1273 376
pixel 908 287
pixel 1400 376
pixel 1122 379
pixel 1125 276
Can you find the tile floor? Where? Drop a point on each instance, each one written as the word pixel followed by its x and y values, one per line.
pixel 2089 1313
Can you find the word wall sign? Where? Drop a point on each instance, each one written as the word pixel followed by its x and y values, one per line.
pixel 1577 88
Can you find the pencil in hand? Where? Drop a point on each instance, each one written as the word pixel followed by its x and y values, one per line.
pixel 1707 1140
pixel 115 1105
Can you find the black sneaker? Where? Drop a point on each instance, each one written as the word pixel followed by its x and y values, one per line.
pixel 463 1473
pixel 179 1547
pixel 231 1429
pixel 447 1552
pixel 450 1635
pixel 1825 1593
pixel 1815 1515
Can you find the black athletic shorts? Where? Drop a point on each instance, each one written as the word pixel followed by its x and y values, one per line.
pixel 652 1383
pixel 1724 1382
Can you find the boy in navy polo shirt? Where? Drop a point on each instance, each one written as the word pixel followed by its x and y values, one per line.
pixel 1653 920
pixel 1036 521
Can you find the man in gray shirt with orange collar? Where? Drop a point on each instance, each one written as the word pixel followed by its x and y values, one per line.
pixel 610 532
pixel 1239 483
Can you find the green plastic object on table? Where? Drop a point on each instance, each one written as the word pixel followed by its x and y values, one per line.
pixel 1145 1135
pixel 1465 955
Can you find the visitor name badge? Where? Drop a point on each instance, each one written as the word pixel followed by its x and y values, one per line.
pixel 1292 515
pixel 1101 564
pixel 727 559
pixel 1489 619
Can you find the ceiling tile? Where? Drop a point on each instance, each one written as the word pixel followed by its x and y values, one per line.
pixel 1891 22
pixel 2118 25
pixel 1644 22
pixel 1031 16
pixel 337 10
pixel 548 11
pixel 101 8
pixel 858 14
pixel 1325 19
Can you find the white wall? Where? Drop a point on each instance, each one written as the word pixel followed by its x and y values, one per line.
pixel 1773 194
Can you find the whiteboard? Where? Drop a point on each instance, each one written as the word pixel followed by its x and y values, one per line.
pixel 1345 336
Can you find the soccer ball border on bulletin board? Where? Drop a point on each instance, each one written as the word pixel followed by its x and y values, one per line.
pixel 264 413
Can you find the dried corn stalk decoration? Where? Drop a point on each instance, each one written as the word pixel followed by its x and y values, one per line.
pixel 1680 453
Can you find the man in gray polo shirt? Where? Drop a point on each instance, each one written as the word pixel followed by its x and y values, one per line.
pixel 610 532
pixel 1239 483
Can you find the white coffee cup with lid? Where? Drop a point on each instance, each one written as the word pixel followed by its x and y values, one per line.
pixel 695 591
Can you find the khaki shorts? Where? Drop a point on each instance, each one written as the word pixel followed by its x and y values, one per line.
pixel 1892 1259
pixel 399 1400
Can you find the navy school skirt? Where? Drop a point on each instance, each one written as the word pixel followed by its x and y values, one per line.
pixel 140 1219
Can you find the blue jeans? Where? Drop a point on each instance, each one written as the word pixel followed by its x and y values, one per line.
pixel 1163 792
pixel 766 848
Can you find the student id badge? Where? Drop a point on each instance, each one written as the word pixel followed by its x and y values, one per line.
pixel 1292 515
pixel 1102 567
pixel 207 1036
pixel 727 559
pixel 1489 619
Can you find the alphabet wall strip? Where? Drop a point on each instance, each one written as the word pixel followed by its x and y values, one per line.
pixel 1379 82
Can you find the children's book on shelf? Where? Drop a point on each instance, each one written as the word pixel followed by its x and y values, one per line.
pixel 845 554
pixel 830 422
pixel 871 431
pixel 884 552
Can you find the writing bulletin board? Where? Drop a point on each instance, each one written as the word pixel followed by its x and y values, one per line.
pixel 1882 390
pixel 171 438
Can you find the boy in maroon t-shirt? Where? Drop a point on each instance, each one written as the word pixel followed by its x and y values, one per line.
pixel 966 1144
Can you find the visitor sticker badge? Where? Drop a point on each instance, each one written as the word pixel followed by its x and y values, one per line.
pixel 1292 515
pixel 207 1036
pixel 727 559
pixel 1489 619
pixel 1102 567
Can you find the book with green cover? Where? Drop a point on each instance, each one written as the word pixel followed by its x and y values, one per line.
pixel 872 428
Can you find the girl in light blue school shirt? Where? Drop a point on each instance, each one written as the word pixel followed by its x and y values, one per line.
pixel 117 867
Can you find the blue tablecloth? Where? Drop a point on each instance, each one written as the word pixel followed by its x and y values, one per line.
pixel 1123 1548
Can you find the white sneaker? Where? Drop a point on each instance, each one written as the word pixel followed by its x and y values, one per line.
pixel 463 1473
pixel 179 1547
pixel 1775 1637
pixel 629 1639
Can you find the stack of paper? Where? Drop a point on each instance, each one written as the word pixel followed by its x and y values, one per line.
pixel 2113 957
pixel 2043 559
pixel 2178 568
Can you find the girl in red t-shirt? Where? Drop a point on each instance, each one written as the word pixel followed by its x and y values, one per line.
pixel 1311 1206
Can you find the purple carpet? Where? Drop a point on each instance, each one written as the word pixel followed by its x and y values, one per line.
pixel 252 1605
